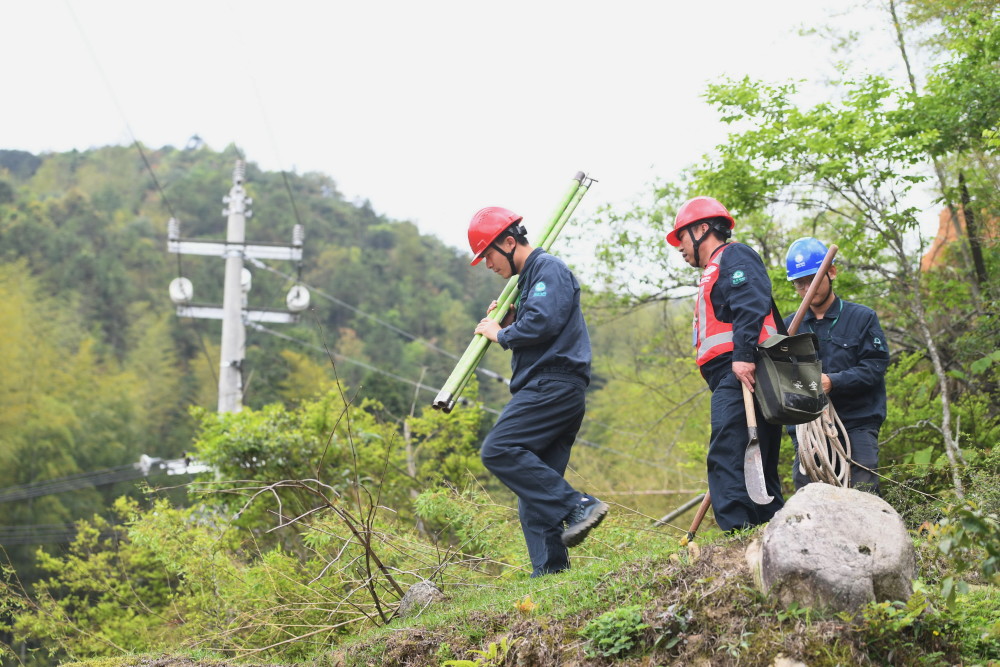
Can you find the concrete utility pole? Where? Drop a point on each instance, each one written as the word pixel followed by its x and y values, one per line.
pixel 233 331
pixel 234 312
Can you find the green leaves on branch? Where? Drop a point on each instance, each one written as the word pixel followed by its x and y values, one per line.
pixel 971 538
pixel 836 156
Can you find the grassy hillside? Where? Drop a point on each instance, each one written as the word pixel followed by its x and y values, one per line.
pixel 642 599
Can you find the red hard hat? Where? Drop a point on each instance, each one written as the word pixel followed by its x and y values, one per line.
pixel 487 224
pixel 693 210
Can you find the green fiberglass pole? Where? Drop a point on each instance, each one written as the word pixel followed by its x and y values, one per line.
pixel 504 303
pixel 474 353
pixel 480 343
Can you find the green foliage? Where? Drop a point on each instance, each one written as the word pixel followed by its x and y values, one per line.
pixel 12 604
pixel 632 258
pixel 493 656
pixel 971 538
pixel 614 633
pixel 272 556
pixel 650 418
pixel 473 522
pixel 98 598
pixel 961 103
pixel 913 633
pixel 445 447
pixel 978 621
pixel 345 448
pixel 671 627
pixel 68 405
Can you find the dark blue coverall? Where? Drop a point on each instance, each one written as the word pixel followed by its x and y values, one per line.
pixel 528 448
pixel 855 355
pixel 742 296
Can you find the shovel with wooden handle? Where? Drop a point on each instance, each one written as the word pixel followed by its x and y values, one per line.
pixel 753 464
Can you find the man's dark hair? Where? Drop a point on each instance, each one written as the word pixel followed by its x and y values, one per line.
pixel 518 231
pixel 719 226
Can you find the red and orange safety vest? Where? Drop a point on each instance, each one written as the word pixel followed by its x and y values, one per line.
pixel 711 336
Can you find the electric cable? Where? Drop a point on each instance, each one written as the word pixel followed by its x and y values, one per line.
pixel 70 483
pixel 118 106
pixel 418 385
pixel 145 467
pixel 142 154
pixel 416 339
pixel 43 533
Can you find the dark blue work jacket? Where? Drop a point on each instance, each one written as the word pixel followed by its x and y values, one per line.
pixel 548 333
pixel 855 355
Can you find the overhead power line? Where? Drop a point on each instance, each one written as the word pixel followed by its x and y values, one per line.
pixel 339 357
pixel 433 390
pixel 145 467
pixel 43 533
pixel 118 106
pixel 402 332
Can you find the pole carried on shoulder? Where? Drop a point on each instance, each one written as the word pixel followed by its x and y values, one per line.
pixel 474 353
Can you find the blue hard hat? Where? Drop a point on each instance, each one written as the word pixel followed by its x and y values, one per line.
pixel 804 257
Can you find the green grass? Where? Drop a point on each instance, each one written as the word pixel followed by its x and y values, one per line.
pixel 693 605
pixel 636 596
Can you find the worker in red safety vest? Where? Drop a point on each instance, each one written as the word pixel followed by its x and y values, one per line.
pixel 732 314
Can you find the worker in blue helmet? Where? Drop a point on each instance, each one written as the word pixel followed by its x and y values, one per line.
pixel 855 356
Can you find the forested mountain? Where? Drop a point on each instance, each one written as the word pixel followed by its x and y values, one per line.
pixel 92 228
pixel 98 368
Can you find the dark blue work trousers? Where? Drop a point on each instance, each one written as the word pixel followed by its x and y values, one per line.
pixel 528 450
pixel 864 450
pixel 731 504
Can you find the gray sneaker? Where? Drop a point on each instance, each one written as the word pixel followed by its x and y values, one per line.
pixel 582 519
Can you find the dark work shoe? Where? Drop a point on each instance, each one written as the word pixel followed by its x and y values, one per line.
pixel 584 517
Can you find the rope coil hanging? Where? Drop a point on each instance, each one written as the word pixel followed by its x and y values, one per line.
pixel 822 456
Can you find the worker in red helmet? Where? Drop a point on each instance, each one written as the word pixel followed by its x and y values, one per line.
pixel 732 314
pixel 528 448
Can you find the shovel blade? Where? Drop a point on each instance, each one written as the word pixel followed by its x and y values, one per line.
pixel 753 473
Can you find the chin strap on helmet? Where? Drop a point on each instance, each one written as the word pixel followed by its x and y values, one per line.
pixel 695 244
pixel 514 231
pixel 713 225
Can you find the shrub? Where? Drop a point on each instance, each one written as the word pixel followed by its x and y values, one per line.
pixel 614 633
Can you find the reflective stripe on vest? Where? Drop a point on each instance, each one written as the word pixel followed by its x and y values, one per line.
pixel 713 337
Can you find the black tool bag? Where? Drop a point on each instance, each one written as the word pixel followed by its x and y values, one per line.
pixel 789 377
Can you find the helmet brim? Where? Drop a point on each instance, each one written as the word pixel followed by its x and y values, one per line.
pixel 802 274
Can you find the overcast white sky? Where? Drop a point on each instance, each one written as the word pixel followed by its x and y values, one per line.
pixel 431 110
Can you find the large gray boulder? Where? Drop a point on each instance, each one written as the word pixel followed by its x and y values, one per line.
pixel 834 548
